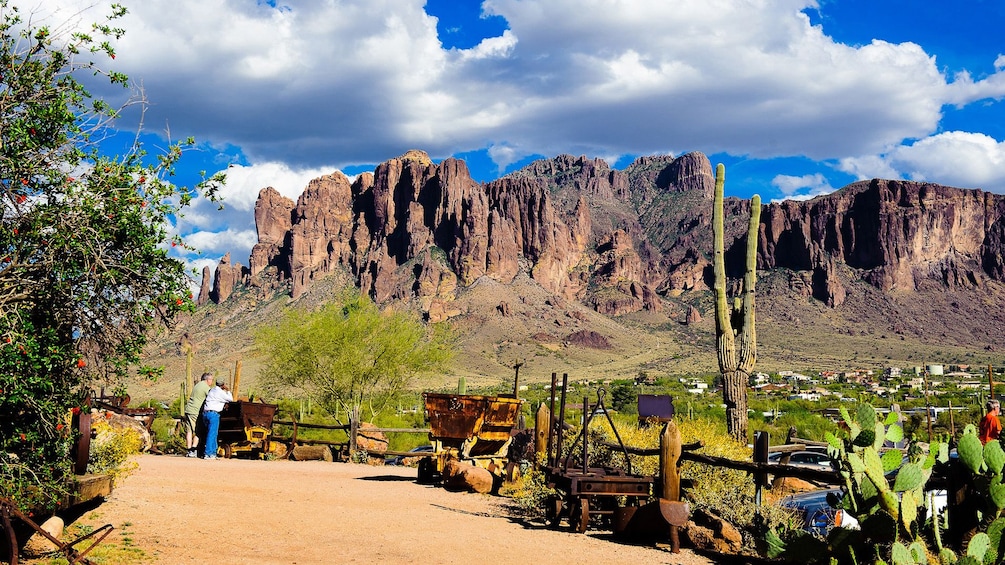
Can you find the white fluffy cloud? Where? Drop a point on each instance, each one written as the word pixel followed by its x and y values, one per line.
pixel 307 87
pixel 955 158
pixel 802 187
pixel 214 232
pixel 317 83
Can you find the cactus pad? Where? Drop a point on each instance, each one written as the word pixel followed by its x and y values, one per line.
pixel 894 433
pixel 997 492
pixel 865 416
pixel 971 452
pixel 994 456
pixel 881 526
pixel 900 555
pixel 865 438
pixel 909 477
pixel 891 460
pixel 978 546
pixel 908 510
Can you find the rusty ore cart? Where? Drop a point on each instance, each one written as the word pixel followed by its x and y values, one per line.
pixel 468 427
pixel 246 427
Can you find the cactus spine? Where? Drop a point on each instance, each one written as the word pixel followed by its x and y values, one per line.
pixel 738 321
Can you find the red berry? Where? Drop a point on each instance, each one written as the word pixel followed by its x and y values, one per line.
pixel 81 363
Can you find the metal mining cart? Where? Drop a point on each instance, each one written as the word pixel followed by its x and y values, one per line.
pixel 469 428
pixel 584 490
pixel 246 427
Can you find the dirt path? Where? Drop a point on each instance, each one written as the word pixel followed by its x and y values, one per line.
pixel 180 510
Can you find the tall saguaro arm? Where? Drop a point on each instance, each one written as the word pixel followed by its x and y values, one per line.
pixel 734 324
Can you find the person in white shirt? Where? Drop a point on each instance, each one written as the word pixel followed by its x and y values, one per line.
pixel 216 399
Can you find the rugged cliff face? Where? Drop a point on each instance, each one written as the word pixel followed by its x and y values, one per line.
pixel 896 235
pixel 618 241
pixel 416 230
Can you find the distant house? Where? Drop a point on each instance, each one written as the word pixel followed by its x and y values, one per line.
pixel 697 387
pixel 770 388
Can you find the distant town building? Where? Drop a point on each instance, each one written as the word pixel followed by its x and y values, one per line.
pixel 892 372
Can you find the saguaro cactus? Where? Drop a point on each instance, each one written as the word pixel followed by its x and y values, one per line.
pixel 735 323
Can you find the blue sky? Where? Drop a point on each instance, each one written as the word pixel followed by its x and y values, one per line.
pixel 797 97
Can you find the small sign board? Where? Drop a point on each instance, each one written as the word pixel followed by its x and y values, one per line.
pixel 658 407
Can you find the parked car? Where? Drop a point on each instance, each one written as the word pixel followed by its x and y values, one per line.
pixel 819 513
pixel 817 510
pixel 808 459
pixel 406 459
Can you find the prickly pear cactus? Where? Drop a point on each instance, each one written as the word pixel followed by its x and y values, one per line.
pixel 884 492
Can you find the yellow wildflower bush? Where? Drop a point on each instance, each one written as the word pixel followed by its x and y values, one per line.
pixel 111 450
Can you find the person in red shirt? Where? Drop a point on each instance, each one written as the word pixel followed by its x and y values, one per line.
pixel 990 427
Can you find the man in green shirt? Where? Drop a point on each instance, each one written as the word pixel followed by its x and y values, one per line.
pixel 192 409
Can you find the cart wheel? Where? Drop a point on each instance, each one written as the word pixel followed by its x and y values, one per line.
pixel 426 472
pixel 10 538
pixel 553 510
pixel 228 451
pixel 579 517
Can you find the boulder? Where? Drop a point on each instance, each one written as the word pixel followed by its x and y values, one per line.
pixel 710 532
pixel 369 439
pixel 459 476
pixel 39 545
pixel 123 422
pixel 693 316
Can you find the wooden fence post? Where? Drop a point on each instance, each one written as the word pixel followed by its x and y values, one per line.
pixel 760 456
pixel 353 430
pixel 542 421
pixel 670 451
pixel 237 378
pixel 551 421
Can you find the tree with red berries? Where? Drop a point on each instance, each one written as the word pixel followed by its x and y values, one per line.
pixel 85 273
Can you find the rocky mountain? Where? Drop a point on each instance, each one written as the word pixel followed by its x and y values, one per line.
pixel 907 258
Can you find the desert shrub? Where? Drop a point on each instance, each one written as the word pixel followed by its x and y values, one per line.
pixel 529 493
pixel 111 449
pixel 168 435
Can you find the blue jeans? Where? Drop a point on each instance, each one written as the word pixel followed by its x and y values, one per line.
pixel 212 420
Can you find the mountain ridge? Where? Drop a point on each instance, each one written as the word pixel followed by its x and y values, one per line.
pixel 570 244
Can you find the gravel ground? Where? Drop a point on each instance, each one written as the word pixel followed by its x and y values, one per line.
pixel 234 511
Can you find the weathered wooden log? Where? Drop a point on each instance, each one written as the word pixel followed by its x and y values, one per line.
pixel 311 453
